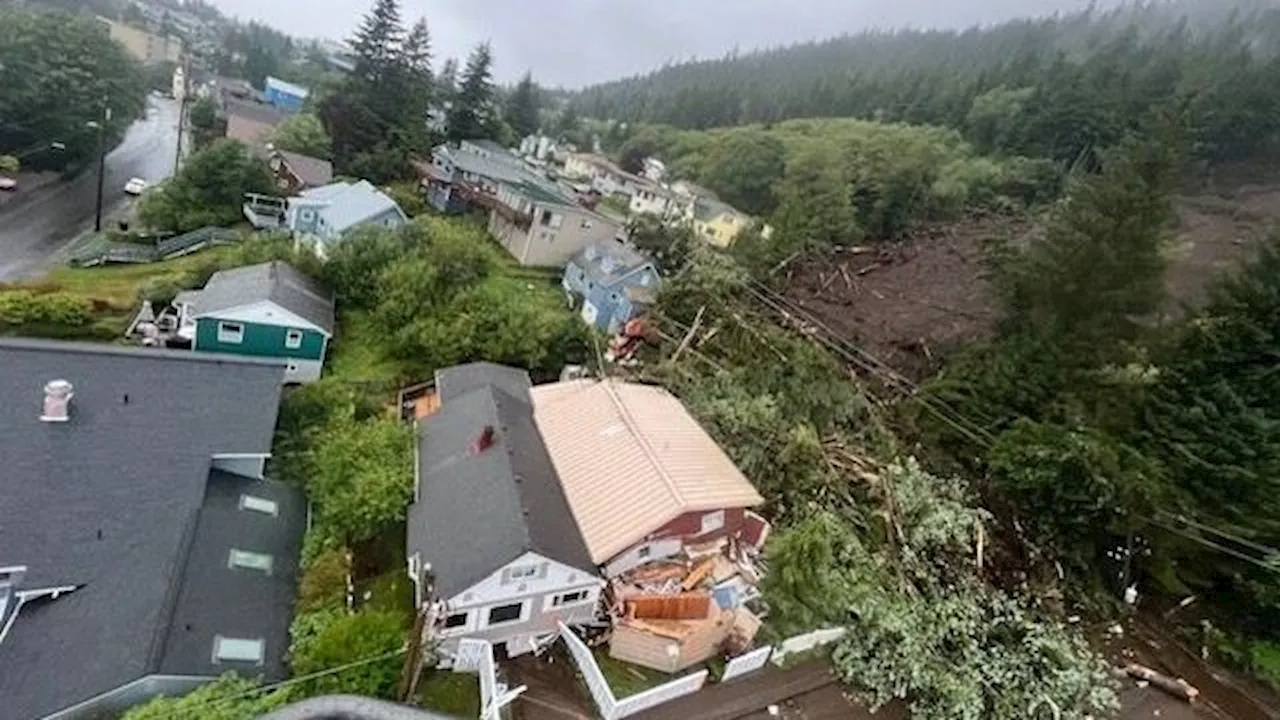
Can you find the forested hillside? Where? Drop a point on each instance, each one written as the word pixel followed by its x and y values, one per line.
pixel 1056 87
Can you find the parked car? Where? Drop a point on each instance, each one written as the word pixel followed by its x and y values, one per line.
pixel 8 183
pixel 135 186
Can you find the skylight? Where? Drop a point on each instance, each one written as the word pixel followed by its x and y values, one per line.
pixel 246 560
pixel 245 650
pixel 259 504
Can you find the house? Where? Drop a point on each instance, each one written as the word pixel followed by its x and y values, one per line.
pixel 295 172
pixel 269 310
pixel 149 48
pixel 141 551
pixel 603 173
pixel 325 214
pixel 615 283
pixel 250 122
pixel 666 514
pixel 643 479
pixel 650 198
pixel 284 95
pixel 493 549
pixel 654 169
pixel 720 224
pixel 543 226
pixel 456 173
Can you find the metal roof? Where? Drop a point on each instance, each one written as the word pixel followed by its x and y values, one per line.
pixel 344 205
pixel 631 459
pixel 608 262
pixel 109 501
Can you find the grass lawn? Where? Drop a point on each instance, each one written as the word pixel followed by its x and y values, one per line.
pixel 626 679
pixel 456 694
pixel 359 352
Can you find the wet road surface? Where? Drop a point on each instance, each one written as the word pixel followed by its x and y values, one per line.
pixel 34 226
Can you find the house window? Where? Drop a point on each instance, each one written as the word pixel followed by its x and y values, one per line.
pixel 261 505
pixel 308 215
pixel 644 552
pixel 557 221
pixel 500 614
pixel 458 620
pixel 293 339
pixel 522 573
pixel 613 297
pixel 232 333
pixel 546 218
pixel 586 225
pixel 241 650
pixel 245 560
pixel 712 521
pixel 570 598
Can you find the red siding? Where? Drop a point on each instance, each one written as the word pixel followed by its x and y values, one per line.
pixel 689 524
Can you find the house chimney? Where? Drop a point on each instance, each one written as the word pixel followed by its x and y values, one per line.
pixel 482 442
pixel 57 401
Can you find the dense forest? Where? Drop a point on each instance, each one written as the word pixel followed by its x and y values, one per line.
pixel 1056 87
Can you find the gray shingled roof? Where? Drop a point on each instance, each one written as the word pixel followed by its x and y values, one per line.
pixel 608 262
pixel 107 500
pixel 276 281
pixel 454 382
pixel 476 513
pixel 344 205
pixel 312 171
pixel 213 597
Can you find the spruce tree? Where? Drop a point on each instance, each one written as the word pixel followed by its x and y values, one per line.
pixel 471 116
pixel 377 44
pixel 522 107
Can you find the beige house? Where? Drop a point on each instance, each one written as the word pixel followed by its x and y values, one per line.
pixel 544 228
pixel 147 47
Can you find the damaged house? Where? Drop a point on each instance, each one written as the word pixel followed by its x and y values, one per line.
pixel 584 489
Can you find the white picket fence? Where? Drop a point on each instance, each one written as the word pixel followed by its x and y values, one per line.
pixel 476 656
pixel 611 708
pixel 806 642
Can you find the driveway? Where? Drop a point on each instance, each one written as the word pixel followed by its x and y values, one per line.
pixel 36 224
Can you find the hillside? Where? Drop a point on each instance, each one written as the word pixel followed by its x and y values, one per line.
pixel 1052 87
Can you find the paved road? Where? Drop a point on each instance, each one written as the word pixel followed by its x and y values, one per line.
pixel 34 227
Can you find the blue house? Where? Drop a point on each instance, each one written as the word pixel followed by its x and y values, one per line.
pixel 615 283
pixel 285 95
pixel 325 214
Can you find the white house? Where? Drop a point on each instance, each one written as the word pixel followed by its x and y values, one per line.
pixel 492 543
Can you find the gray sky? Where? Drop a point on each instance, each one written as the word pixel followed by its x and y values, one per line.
pixel 576 42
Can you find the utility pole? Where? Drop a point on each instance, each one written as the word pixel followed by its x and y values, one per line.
pixel 102 160
pixel 182 111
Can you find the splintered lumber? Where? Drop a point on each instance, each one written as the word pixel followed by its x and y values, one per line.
pixel 699 574
pixel 1178 687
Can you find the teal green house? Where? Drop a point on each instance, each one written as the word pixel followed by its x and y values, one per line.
pixel 271 310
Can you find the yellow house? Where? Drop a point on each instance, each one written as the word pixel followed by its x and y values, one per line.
pixel 720 224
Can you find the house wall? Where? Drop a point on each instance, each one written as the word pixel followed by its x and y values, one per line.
pixel 671 538
pixel 285 100
pixel 539 616
pixel 607 307
pixel 550 246
pixel 115 702
pixel 650 201
pixel 302 364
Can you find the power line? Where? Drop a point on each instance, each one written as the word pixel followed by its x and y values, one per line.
pixel 300 679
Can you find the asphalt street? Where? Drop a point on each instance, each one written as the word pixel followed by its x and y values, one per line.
pixel 34 226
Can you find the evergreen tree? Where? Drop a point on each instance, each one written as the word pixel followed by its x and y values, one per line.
pixel 522 107
pixel 471 116
pixel 377 44
pixel 446 85
pixel 417 96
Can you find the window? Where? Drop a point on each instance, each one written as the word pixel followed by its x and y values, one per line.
pixel 308 215
pixel 569 598
pixel 712 521
pixel 230 333
pixel 244 650
pixel 505 613
pixel 557 221
pixel 644 552
pixel 257 504
pixel 546 217
pixel 586 225
pixel 521 573
pixel 458 620
pixel 246 560
pixel 293 339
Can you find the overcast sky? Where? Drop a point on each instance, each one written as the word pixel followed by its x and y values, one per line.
pixel 576 42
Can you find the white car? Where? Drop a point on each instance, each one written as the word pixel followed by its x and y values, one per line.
pixel 8 183
pixel 135 186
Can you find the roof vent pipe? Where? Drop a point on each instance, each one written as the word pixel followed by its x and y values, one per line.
pixel 57 401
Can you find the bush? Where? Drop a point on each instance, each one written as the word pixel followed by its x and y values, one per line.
pixel 324 582
pixel 22 307
pixel 334 638
pixel 409 197
pixel 361 479
pixel 227 698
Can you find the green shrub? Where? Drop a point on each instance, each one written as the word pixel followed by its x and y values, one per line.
pixel 228 698
pixel 324 583
pixel 330 639
pixel 21 307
